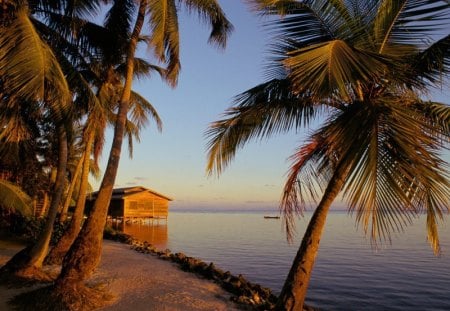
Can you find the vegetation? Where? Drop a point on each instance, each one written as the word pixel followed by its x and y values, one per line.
pixel 76 77
pixel 359 68
pixel 84 254
pixel 14 199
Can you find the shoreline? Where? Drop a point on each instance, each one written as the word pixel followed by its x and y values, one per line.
pixel 140 276
pixel 138 281
pixel 244 293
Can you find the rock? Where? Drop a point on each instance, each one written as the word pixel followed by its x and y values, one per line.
pixel 226 276
pixel 256 298
pixel 201 266
pixel 210 271
pixel 189 264
pixel 179 257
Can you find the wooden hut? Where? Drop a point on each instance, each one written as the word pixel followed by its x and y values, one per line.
pixel 137 203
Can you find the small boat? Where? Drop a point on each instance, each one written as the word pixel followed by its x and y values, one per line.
pixel 272 217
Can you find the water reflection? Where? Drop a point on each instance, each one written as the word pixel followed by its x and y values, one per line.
pixel 154 231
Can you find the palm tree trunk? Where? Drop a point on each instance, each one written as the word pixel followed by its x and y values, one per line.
pixel 39 251
pixel 84 254
pixel 27 263
pixel 293 294
pixel 63 215
pixel 57 253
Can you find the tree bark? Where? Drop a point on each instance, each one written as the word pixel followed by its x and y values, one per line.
pixel 39 251
pixel 63 214
pixel 57 253
pixel 84 254
pixel 293 294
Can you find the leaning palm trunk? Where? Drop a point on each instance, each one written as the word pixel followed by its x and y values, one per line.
pixel 65 208
pixel 27 263
pixel 84 255
pixel 57 253
pixel 293 294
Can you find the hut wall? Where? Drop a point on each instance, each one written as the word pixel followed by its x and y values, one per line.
pixel 145 204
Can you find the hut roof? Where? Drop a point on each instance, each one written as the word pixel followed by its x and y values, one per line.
pixel 123 192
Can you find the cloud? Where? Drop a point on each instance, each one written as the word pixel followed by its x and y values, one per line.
pixel 138 178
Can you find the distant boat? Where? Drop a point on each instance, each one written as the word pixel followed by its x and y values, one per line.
pixel 272 217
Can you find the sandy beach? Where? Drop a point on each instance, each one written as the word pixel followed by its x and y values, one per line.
pixel 141 282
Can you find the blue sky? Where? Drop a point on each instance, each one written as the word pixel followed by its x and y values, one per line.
pixel 173 162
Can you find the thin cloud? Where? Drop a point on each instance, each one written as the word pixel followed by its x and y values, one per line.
pixel 138 178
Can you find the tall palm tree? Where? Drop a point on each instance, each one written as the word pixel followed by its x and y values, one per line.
pixel 361 66
pixel 84 254
pixel 31 66
pixel 100 115
pixel 74 171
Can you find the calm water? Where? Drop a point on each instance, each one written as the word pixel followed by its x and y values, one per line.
pixel 348 275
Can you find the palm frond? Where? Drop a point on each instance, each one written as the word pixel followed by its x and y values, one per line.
pixel 28 67
pixel 119 18
pixel 18 119
pixel 82 8
pixel 142 69
pixel 396 169
pixel 333 68
pixel 279 7
pixel 118 23
pixel 211 12
pixel 302 25
pixel 409 21
pixel 12 197
pixel 432 63
pixel 303 182
pixel 140 110
pixel 438 116
pixel 131 133
pixel 435 212
pixel 260 112
pixel 165 36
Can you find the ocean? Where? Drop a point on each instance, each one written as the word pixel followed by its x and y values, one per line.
pixel 349 274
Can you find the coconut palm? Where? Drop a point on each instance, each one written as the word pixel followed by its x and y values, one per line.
pixel 35 46
pixel 84 254
pixel 361 67
pixel 73 181
pixel 101 113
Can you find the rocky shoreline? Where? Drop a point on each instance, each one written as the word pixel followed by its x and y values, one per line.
pixel 244 292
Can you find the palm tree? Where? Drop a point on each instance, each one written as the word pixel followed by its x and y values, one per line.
pixel 361 66
pixel 102 113
pixel 84 254
pixel 76 161
pixel 31 65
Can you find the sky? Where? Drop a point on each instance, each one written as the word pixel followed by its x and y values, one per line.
pixel 174 162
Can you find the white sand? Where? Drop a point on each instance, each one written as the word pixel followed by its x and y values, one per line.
pixel 143 282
